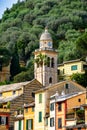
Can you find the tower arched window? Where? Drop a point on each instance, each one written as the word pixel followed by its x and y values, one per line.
pixel 52 62
pixel 50 80
pixel 48 62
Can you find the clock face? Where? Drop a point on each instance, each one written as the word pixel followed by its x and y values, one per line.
pixel 49 44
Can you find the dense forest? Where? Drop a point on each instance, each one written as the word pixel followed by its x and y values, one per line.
pixel 22 25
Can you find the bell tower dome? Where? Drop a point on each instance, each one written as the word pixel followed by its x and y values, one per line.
pixel 45 67
pixel 46 40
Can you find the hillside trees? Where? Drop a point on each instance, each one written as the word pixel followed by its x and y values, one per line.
pixel 15 66
pixel 25 21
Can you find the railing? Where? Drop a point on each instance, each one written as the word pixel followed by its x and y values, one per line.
pixel 70 115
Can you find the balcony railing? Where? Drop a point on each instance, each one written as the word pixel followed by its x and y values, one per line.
pixel 4 110
pixel 78 116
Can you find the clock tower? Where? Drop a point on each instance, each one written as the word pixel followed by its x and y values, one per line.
pixel 45 69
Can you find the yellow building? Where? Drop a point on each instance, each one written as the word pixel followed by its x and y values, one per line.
pixel 66 69
pixel 12 99
pixel 29 116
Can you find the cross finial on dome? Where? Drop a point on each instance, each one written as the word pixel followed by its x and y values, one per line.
pixel 46 29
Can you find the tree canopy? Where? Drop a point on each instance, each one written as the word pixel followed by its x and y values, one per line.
pixel 25 21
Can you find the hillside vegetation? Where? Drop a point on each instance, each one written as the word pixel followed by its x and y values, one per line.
pixel 23 24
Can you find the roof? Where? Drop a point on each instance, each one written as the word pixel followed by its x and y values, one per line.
pixel 13 87
pixel 60 86
pixel 46 35
pixel 71 61
pixel 65 97
pixel 9 98
pixel 29 105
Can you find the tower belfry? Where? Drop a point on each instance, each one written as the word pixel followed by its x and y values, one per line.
pixel 46 60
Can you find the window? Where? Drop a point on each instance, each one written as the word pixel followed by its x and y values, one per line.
pixel 66 86
pixel 26 110
pixel 32 109
pixel 29 124
pixel 52 106
pixel 46 121
pixel 58 72
pixel 79 100
pixel 59 122
pixel 48 62
pixel 3 120
pixel 40 116
pixel 50 80
pixel 40 98
pixel 74 67
pixel 59 106
pixel 52 62
pixel 51 122
pixel 33 94
pixel 14 92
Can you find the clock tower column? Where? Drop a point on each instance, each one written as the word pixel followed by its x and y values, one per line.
pixel 45 69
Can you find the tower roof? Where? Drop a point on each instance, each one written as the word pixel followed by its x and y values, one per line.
pixel 46 35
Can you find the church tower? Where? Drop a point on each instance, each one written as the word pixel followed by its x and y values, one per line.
pixel 45 68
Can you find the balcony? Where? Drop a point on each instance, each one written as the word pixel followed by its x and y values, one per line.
pixel 19 114
pixel 75 117
pixel 4 110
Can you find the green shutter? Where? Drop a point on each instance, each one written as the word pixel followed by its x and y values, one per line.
pixel 19 125
pixel 26 124
pixel 40 98
pixel 40 116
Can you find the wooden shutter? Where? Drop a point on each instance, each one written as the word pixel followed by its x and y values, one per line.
pixel 26 124
pixel 6 120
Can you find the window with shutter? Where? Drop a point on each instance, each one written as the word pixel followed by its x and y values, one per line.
pixel 29 124
pixel 51 122
pixel 40 98
pixel 40 116
pixel 59 122
pixel 52 106
pixel 19 125
pixel 26 124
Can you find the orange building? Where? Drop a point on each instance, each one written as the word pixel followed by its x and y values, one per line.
pixel 69 111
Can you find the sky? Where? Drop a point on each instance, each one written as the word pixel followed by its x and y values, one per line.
pixel 6 4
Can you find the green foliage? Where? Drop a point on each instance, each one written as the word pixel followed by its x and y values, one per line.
pixel 4 56
pixel 81 44
pixel 80 78
pixel 80 113
pixel 25 75
pixel 15 67
pixel 8 104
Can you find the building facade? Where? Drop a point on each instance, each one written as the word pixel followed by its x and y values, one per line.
pixel 66 69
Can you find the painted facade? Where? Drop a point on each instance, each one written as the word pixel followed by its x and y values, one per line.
pixel 66 69
pixel 13 97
